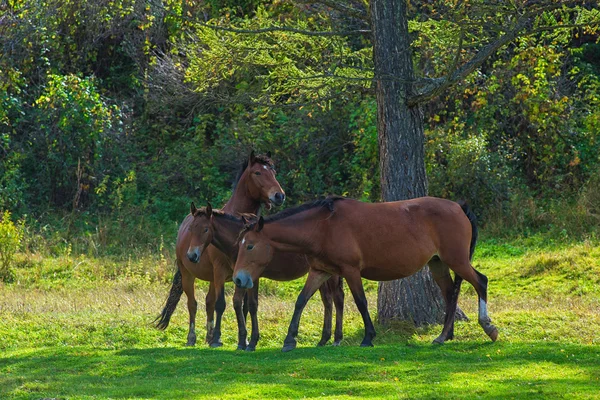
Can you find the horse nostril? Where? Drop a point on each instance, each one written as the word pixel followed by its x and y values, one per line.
pixel 237 281
pixel 279 197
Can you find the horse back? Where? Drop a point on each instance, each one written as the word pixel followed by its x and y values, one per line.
pixel 400 235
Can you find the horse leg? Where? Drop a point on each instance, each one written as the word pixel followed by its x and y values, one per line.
pixel 313 282
pixel 480 282
pixel 219 274
pixel 252 295
pixel 238 297
pixel 337 285
pixel 327 299
pixel 450 290
pixel 210 312
pixel 354 281
pixel 187 281
pixel 220 309
pixel 245 305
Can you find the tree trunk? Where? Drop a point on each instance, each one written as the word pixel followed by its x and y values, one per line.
pixel 401 156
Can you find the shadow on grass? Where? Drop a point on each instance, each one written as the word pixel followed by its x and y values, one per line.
pixel 457 369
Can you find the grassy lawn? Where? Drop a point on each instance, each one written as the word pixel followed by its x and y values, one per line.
pixel 77 327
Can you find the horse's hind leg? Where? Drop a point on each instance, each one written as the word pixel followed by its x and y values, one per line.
pixel 187 281
pixel 480 282
pixel 327 299
pixel 337 288
pixel 484 318
pixel 352 276
pixel 450 290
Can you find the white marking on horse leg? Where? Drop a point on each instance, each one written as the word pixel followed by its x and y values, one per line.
pixel 483 313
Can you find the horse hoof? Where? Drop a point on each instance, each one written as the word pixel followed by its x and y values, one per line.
pixel 191 341
pixel 321 343
pixel 241 348
pixel 438 340
pixel 336 343
pixel 251 348
pixel 216 344
pixel 366 345
pixel 493 334
pixel 288 347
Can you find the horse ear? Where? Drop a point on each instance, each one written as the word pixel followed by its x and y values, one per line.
pixel 251 158
pixel 193 208
pixel 260 224
pixel 269 154
pixel 208 209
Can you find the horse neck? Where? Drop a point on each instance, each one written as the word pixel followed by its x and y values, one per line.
pixel 299 233
pixel 225 234
pixel 241 200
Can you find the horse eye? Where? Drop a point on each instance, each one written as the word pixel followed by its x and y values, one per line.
pixel 250 247
pixel 257 173
pixel 205 229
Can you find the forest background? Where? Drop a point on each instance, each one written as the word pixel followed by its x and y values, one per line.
pixel 114 115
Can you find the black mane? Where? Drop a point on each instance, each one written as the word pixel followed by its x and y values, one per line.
pixel 326 202
pixel 220 213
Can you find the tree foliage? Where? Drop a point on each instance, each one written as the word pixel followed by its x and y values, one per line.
pixel 131 107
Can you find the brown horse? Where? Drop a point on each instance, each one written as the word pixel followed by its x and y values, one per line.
pixel 256 184
pixel 381 242
pixel 221 229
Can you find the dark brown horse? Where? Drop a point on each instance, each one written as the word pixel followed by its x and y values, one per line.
pixel 222 230
pixel 381 242
pixel 256 184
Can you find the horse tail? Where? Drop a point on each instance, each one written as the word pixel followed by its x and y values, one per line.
pixel 174 296
pixel 473 220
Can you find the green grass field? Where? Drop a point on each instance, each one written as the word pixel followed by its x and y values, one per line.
pixel 80 327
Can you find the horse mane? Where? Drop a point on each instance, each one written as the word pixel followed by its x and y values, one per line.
pixel 220 213
pixel 259 158
pixel 326 202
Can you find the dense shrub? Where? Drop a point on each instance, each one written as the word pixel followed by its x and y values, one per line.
pixel 10 239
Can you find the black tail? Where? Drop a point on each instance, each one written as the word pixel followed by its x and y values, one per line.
pixel 473 220
pixel 174 296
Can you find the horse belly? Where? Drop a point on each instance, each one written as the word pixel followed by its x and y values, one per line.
pixel 286 267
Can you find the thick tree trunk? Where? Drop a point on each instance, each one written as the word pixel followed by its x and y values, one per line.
pixel 401 159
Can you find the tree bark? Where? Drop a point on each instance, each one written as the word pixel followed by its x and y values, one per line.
pixel 402 156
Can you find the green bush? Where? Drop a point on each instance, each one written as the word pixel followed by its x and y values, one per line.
pixel 10 239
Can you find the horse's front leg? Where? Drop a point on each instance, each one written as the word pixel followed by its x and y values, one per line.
pixel 187 281
pixel 352 276
pixel 313 282
pixel 210 312
pixel 219 275
pixel 253 308
pixel 238 297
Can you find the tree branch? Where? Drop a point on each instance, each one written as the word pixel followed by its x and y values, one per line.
pixel 432 87
pixel 428 88
pixel 342 8
pixel 285 29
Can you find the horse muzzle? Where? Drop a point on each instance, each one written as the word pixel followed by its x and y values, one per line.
pixel 277 198
pixel 194 255
pixel 243 280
